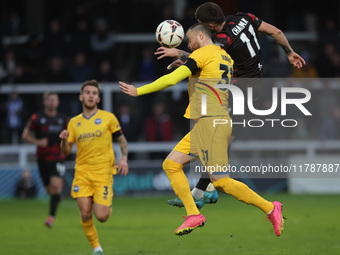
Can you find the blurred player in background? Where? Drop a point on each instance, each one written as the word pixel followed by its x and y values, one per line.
pixel 210 65
pixel 238 35
pixel 43 130
pixel 93 131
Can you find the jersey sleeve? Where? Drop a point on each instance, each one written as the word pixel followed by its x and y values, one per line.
pixel 165 81
pixel 196 61
pixel 70 129
pixel 191 64
pixel 32 123
pixel 114 125
pixel 223 40
pixel 252 18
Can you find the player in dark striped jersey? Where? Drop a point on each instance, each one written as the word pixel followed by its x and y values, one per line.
pixel 43 130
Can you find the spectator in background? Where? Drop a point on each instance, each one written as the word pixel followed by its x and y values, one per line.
pixel 308 70
pixel 10 66
pixel 147 66
pixel 328 61
pixel 159 126
pixel 329 34
pixel 14 109
pixel 167 12
pixel 128 123
pixel 80 71
pixel 102 40
pixel 330 127
pixel 54 40
pixel 56 72
pixel 326 100
pixel 105 73
pixel 25 187
pixel 275 68
pixel 3 73
pixel 189 18
pixel 32 59
pixel 20 76
pixel 13 25
pixel 300 132
pixel 81 37
pixel 81 12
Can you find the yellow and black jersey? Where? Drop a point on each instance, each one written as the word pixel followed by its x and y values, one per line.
pixel 209 65
pixel 94 141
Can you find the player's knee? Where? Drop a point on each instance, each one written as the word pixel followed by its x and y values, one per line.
pixel 56 185
pixel 165 164
pixel 103 217
pixel 48 190
pixel 86 215
pixel 171 166
pixel 53 190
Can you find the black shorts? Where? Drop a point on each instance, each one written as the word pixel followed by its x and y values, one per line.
pixel 47 169
pixel 258 97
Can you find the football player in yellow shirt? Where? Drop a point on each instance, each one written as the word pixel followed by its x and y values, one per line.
pixel 92 131
pixel 207 62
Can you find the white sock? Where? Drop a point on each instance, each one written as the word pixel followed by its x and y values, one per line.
pixel 210 187
pixel 99 248
pixel 197 193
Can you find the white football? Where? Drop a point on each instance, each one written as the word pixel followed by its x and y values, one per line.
pixel 170 33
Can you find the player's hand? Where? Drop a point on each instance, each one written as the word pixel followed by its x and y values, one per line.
pixel 42 143
pixel 64 135
pixel 177 62
pixel 296 60
pixel 128 89
pixel 166 52
pixel 122 167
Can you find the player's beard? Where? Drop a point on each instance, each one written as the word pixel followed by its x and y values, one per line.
pixel 89 106
pixel 51 108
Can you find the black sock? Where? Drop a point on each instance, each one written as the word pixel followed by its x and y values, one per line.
pixel 203 181
pixel 54 202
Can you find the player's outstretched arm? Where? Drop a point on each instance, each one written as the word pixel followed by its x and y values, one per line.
pixel 128 89
pixel 172 52
pixel 122 167
pixel 65 146
pixel 294 59
pixel 161 83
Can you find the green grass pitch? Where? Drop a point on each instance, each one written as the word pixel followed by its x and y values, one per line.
pixel 146 226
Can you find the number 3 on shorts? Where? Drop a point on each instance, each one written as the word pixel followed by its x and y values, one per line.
pixel 106 190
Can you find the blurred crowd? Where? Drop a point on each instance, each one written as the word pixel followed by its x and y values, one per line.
pixel 78 42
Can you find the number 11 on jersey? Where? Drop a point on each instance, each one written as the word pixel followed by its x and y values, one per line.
pixel 246 40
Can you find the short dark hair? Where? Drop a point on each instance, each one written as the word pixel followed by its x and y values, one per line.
pixel 93 83
pixel 210 13
pixel 199 27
